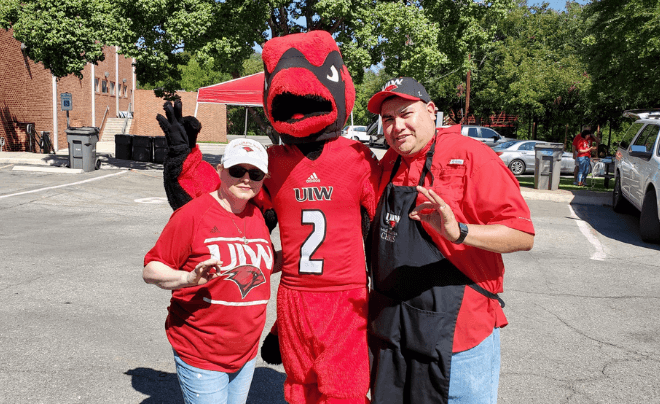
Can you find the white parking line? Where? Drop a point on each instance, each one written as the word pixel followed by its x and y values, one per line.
pixel 588 232
pixel 63 185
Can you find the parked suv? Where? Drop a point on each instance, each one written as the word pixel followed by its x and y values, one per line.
pixel 637 172
pixel 356 132
pixel 484 135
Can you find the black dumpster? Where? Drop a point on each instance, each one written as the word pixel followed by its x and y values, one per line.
pixel 160 149
pixel 123 146
pixel 143 148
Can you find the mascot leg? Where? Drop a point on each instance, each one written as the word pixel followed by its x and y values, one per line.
pixel 323 340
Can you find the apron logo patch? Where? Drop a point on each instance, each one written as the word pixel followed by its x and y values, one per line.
pixel 388 233
pixel 392 219
pixel 456 161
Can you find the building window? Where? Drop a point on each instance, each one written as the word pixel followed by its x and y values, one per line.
pixel 104 86
pixel 112 88
pixel 125 93
pixel 96 84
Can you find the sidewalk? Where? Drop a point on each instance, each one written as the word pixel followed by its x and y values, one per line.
pixel 105 151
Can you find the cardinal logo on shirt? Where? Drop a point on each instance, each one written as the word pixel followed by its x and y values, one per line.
pixel 247 277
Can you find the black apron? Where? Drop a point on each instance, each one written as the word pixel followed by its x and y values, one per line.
pixel 413 306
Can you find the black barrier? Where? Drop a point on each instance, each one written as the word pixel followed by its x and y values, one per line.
pixel 143 148
pixel 123 146
pixel 160 149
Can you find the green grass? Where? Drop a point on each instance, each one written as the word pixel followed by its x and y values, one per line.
pixel 566 183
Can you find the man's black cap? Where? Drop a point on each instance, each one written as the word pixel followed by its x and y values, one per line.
pixel 404 87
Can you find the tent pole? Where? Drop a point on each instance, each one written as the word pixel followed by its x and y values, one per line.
pixel 351 118
pixel 245 132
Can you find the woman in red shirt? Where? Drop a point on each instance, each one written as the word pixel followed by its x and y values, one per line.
pixel 216 256
pixel 583 148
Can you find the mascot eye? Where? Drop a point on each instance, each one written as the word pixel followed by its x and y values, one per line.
pixel 334 75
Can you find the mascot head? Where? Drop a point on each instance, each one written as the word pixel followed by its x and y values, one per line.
pixel 308 93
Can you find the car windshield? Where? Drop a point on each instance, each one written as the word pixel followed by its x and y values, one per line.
pixel 505 145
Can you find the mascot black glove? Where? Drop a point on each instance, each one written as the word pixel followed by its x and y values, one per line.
pixel 270 350
pixel 180 132
pixel 181 135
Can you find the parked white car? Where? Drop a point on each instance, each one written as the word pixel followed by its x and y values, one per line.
pixel 637 172
pixel 356 132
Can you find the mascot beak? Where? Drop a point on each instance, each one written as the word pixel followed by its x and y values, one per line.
pixel 299 104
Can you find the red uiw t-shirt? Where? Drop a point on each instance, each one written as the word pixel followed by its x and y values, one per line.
pixel 217 326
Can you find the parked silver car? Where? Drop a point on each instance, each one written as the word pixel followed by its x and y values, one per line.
pixel 484 135
pixel 637 172
pixel 520 157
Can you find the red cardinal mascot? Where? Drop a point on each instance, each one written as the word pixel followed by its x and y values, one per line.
pixel 321 190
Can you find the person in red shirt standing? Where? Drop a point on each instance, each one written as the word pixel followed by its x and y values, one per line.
pixel 582 147
pixel 434 313
pixel 216 256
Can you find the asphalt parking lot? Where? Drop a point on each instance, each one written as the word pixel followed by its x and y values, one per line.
pixel 80 325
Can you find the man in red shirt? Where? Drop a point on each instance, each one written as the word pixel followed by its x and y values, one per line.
pixel 434 312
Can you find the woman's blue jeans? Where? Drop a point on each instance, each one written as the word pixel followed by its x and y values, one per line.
pixel 584 165
pixel 201 386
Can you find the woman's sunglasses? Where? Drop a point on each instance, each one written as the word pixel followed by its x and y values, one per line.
pixel 239 172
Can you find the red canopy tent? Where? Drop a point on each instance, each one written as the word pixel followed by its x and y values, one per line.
pixel 244 91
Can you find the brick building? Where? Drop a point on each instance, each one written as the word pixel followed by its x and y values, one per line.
pixel 30 94
pixel 212 116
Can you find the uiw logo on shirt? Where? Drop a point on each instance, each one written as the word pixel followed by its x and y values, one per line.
pixel 313 194
pixel 244 268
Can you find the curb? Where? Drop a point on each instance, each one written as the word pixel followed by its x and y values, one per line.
pixel 573 198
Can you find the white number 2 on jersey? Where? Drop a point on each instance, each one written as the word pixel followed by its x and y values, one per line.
pixel 313 242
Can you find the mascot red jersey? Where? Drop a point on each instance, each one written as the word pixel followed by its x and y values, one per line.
pixel 321 190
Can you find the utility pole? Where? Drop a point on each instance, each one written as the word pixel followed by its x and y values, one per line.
pixel 467 96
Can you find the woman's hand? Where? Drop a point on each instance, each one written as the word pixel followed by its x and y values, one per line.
pixel 204 272
pixel 164 277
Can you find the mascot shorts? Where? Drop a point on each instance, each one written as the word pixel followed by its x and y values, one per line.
pixel 323 341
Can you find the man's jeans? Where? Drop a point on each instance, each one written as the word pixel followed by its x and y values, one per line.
pixel 475 373
pixel 584 164
pixel 201 386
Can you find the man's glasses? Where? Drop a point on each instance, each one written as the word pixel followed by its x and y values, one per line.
pixel 239 172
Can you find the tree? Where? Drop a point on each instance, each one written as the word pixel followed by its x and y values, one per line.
pixel 621 50
pixel 534 70
pixel 418 38
pixel 63 35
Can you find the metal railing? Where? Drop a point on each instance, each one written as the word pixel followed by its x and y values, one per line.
pixel 105 114
pixel 128 116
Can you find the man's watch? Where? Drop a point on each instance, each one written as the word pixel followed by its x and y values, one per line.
pixel 464 231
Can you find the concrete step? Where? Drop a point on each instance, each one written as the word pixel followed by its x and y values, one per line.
pixel 114 126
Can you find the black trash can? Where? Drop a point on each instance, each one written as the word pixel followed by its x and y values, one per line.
pixel 160 149
pixel 123 146
pixel 143 148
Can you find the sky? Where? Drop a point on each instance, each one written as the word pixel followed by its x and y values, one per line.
pixel 559 5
